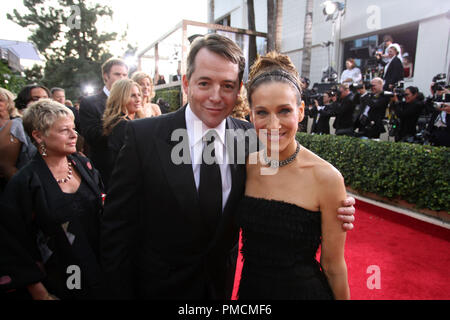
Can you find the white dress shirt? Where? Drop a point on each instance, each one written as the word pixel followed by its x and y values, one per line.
pixel 196 130
pixel 106 91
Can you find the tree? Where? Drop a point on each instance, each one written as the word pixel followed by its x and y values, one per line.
pixel 307 39
pixel 278 25
pixel 10 80
pixel 274 25
pixel 270 25
pixel 252 27
pixel 67 36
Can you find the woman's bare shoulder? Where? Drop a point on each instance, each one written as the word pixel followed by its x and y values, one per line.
pixel 324 172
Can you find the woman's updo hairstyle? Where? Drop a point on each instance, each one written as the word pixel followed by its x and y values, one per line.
pixel 273 67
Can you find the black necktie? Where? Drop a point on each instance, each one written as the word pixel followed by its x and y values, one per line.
pixel 210 189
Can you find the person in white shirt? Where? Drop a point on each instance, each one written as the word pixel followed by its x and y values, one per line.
pixel 352 74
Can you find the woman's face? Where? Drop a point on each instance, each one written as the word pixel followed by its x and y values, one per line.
pixel 37 94
pixel 61 138
pixel 275 115
pixel 146 87
pixel 135 101
pixel 349 64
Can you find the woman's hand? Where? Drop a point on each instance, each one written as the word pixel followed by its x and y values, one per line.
pixel 39 292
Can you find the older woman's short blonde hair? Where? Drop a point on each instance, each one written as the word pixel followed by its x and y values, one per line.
pixel 42 114
pixel 10 105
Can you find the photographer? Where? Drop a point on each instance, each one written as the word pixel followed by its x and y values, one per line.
pixel 344 112
pixel 322 112
pixel 373 110
pixel 408 112
pixel 306 93
pixel 439 126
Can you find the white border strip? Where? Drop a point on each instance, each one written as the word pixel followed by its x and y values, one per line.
pixel 416 215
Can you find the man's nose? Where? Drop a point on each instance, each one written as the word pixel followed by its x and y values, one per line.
pixel 215 94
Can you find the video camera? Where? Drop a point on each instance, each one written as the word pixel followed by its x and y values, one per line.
pixel 360 85
pixel 441 100
pixel 439 82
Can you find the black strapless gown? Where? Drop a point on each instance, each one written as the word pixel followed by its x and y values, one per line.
pixel 280 241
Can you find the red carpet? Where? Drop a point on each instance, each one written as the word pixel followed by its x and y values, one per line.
pixel 412 257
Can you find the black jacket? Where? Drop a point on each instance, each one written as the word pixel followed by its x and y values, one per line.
pixel 394 73
pixel 91 127
pixel 30 209
pixel 321 119
pixel 155 243
pixel 344 115
pixel 378 104
pixel 408 113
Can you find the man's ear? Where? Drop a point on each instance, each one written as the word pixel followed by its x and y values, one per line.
pixel 185 83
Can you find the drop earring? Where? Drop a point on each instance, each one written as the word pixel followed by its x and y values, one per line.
pixel 42 149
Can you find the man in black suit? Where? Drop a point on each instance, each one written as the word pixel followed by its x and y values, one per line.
pixel 344 112
pixel 373 110
pixel 393 70
pixel 158 241
pixel 91 113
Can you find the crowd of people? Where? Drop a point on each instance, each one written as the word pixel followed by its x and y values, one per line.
pixel 366 109
pixel 117 209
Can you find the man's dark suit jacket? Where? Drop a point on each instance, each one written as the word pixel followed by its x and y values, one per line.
pixel 323 124
pixel 155 243
pixel 394 73
pixel 91 113
pixel 344 115
pixel 377 112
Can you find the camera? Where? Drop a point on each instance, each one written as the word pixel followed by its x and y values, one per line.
pixel 399 90
pixel 439 82
pixel 440 101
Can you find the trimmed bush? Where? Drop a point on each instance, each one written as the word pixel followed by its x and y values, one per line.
pixel 417 174
pixel 171 95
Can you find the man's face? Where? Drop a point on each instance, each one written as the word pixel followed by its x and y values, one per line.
pixel 377 86
pixel 117 72
pixel 213 87
pixel 59 96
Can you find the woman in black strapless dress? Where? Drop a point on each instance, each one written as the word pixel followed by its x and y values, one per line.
pixel 290 201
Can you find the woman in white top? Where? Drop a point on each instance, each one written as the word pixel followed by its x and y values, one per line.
pixel 352 74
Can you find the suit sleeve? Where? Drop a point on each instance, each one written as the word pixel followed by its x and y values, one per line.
pixel 90 123
pixel 120 219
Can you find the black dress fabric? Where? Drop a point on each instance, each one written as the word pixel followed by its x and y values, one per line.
pixel 77 246
pixel 280 241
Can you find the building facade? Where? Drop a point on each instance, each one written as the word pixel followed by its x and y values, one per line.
pixel 421 27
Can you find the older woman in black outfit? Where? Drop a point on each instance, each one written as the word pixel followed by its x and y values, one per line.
pixel 50 213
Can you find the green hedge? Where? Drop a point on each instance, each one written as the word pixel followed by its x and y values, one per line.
pixel 171 95
pixel 417 174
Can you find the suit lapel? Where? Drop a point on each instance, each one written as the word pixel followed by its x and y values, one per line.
pixel 179 175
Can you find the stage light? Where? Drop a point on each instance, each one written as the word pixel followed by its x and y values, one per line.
pixel 330 8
